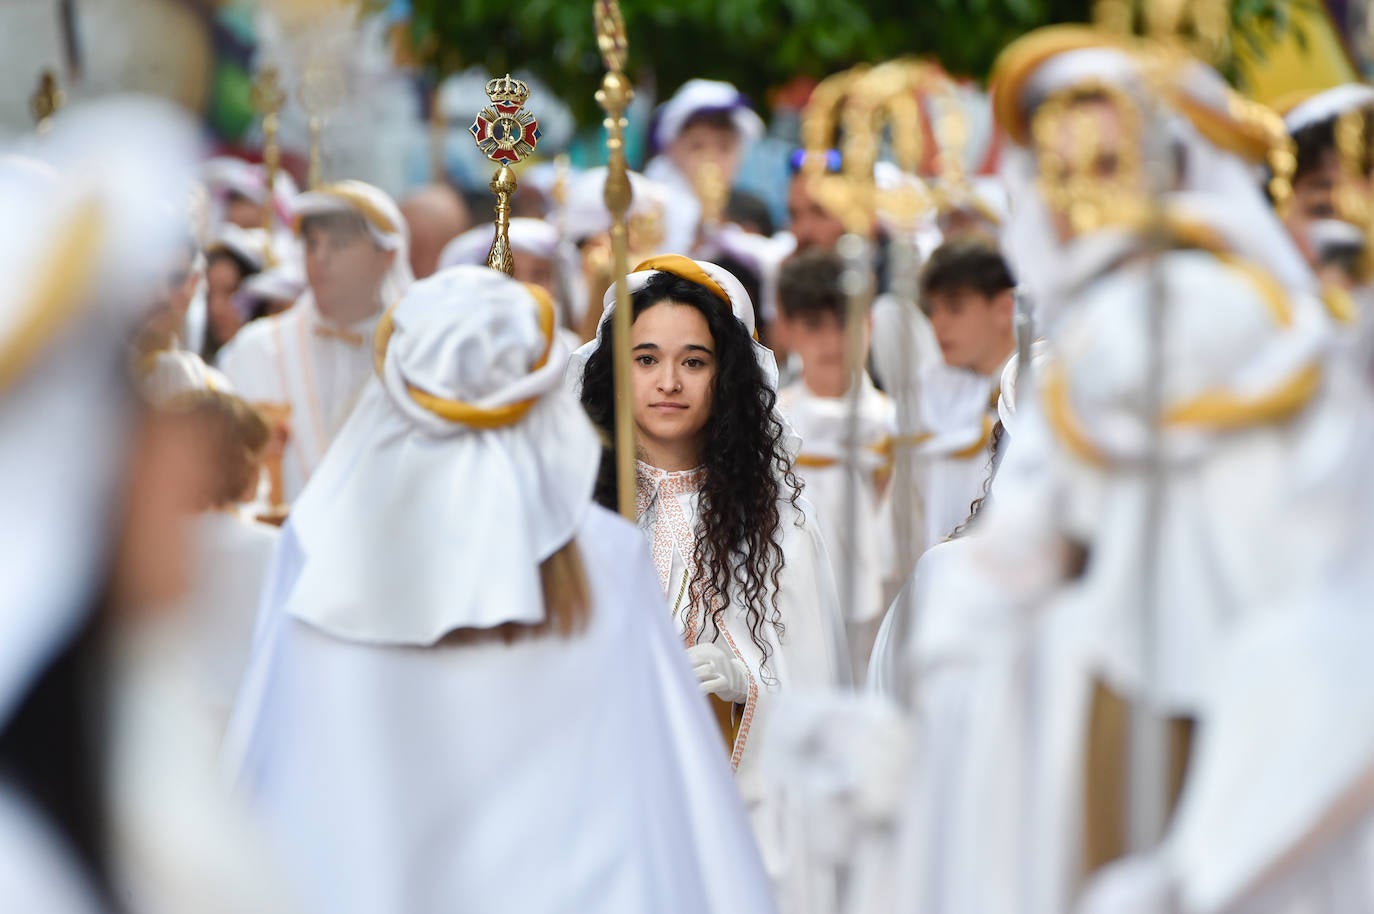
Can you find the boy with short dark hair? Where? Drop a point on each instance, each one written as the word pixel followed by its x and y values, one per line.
pixel 968 293
pixel 812 318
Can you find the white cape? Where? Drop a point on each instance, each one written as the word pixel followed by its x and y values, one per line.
pixel 577 775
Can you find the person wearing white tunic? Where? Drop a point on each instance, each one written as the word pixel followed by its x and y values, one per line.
pixel 306 367
pixel 705 122
pixel 992 678
pixel 812 307
pixel 967 294
pixel 1276 815
pixel 465 693
pixel 738 553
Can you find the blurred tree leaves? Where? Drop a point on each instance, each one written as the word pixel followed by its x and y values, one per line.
pixel 757 44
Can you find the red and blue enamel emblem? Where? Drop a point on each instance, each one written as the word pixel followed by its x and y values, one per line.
pixel 505 133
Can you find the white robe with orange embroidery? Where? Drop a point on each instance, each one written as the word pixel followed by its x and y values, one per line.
pixel 299 359
pixel 810 653
pixel 823 465
pixel 958 409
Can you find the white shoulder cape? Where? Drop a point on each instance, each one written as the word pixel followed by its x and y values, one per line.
pixel 581 774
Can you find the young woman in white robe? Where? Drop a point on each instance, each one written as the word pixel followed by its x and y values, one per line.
pixel 465 694
pixel 737 551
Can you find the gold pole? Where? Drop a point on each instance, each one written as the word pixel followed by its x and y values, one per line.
pixel 506 133
pixel 268 98
pixel 315 176
pixel 47 99
pixel 614 96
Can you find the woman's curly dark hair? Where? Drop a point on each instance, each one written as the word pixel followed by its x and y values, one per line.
pixel 738 553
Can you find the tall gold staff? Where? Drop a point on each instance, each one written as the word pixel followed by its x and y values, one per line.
pixel 614 97
pixel 268 98
pixel 860 102
pixel 506 133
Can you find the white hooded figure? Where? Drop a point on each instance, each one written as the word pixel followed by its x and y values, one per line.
pixel 307 365
pixel 465 692
pixel 1015 632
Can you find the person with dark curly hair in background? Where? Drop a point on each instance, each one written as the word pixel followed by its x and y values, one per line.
pixel 737 549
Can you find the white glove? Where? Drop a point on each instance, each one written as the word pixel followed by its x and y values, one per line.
pixel 719 673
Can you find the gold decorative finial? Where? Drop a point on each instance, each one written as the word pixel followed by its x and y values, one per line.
pixel 47 99
pixel 508 91
pixel 322 89
pixel 506 133
pixel 267 99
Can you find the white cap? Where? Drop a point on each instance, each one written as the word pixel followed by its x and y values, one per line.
pixel 170 373
pixel 585 215
pixel 1328 104
pixel 227 174
pixel 249 245
pixel 530 237
pixel 705 95
pixel 284 282
pixel 466 451
pixel 380 214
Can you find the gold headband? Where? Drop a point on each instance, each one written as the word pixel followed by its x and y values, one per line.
pixel 1019 61
pixel 457 411
pixel 688 269
pixel 359 201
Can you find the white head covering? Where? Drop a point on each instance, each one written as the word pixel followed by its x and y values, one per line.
pixel 224 175
pixel 1221 160
pixel 585 214
pixel 417 524
pixel 1028 238
pixel 531 237
pixel 719 282
pixel 1328 104
pixel 249 245
pixel 380 214
pixel 170 373
pixel 64 410
pixel 702 95
pixel 284 282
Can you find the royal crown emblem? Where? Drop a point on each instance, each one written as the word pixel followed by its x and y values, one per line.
pixel 505 131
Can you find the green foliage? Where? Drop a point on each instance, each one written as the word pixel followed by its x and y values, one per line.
pixel 757 44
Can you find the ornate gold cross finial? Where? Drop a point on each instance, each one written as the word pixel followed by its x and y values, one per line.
pixel 506 133
pixel 47 99
pixel 322 89
pixel 267 99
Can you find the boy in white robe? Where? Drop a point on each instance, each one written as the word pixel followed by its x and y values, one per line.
pixel 460 698
pixel 812 311
pixel 306 367
pixel 706 122
pixel 967 294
